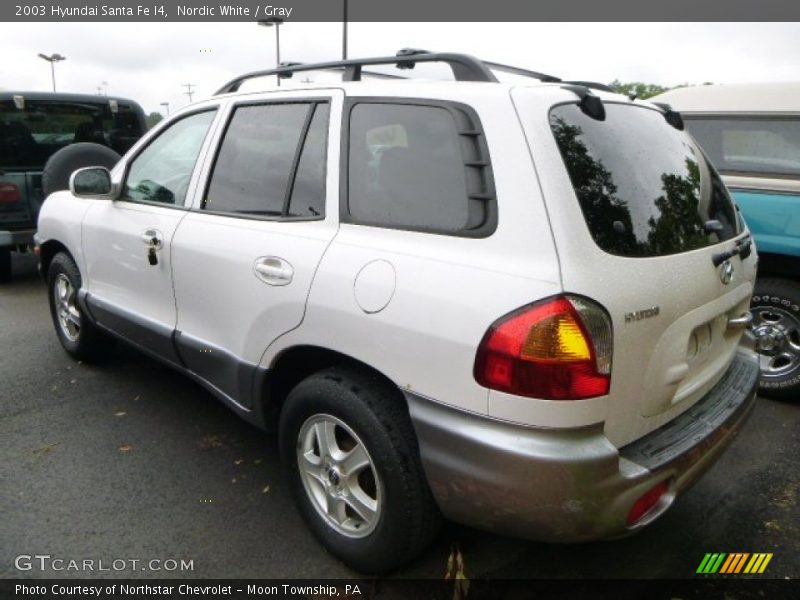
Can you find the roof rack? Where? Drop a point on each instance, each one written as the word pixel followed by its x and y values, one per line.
pixel 593 85
pixel 523 72
pixel 464 67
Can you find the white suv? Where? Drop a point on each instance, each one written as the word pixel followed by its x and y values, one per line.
pixel 515 305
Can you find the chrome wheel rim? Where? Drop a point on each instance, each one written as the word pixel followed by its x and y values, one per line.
pixel 339 476
pixel 67 314
pixel 777 340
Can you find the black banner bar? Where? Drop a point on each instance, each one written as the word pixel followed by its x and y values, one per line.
pixel 400 10
pixel 703 587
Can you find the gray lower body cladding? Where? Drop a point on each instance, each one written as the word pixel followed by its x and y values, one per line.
pixel 572 485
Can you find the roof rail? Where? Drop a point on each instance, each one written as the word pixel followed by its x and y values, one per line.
pixel 375 74
pixel 519 71
pixel 593 84
pixel 465 67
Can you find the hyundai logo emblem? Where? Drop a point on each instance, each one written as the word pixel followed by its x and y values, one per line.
pixel 726 272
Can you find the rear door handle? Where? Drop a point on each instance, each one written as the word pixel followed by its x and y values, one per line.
pixel 273 270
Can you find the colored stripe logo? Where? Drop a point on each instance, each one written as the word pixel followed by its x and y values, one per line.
pixel 734 563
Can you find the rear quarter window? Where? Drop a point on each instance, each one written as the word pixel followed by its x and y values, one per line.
pixel 645 188
pixel 419 167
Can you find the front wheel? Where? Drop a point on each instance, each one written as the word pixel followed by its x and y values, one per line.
pixel 350 453
pixel 77 335
pixel 776 328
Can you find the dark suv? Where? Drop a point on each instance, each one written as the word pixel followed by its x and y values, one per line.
pixel 35 125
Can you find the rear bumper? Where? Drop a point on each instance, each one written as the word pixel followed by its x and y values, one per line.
pixel 572 485
pixel 15 238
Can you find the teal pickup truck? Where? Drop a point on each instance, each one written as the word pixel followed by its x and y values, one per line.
pixel 33 127
pixel 751 132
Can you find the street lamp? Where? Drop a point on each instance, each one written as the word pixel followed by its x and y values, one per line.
pixel 277 23
pixel 166 106
pixel 53 59
pixel 344 31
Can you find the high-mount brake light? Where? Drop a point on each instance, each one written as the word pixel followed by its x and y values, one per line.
pixel 556 349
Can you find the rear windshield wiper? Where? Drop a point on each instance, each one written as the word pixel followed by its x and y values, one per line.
pixel 742 249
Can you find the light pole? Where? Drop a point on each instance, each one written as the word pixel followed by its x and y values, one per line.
pixel 344 31
pixel 277 23
pixel 52 59
pixel 166 107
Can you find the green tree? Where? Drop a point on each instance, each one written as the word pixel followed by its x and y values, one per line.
pixel 607 215
pixel 641 90
pixel 153 118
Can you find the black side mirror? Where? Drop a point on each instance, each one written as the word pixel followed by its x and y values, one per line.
pixel 91 182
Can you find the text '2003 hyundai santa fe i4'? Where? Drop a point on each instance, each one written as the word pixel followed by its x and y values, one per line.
pixel 516 306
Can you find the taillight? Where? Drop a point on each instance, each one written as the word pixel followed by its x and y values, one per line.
pixel 556 349
pixel 9 193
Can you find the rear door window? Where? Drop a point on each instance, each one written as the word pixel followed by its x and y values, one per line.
pixel 271 162
pixel 645 188
pixel 762 146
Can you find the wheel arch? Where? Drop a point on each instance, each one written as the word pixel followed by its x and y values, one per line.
pixel 47 252
pixel 292 365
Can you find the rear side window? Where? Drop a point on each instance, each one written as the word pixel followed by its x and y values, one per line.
pixel 419 167
pixel 271 162
pixel 761 146
pixel 29 136
pixel 645 188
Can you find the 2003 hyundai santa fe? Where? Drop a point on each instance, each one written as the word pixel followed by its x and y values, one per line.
pixel 516 305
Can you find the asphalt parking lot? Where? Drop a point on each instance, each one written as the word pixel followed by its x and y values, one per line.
pixel 130 460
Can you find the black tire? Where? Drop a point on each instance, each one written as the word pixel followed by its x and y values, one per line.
pixel 776 325
pixel 375 411
pixel 5 265
pixel 88 343
pixel 60 166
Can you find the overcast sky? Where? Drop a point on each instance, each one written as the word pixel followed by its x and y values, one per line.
pixel 148 62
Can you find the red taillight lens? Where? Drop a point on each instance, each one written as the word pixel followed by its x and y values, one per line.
pixel 557 349
pixel 647 501
pixel 9 193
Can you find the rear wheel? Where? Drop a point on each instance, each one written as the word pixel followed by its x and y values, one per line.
pixel 5 265
pixel 77 335
pixel 350 453
pixel 776 328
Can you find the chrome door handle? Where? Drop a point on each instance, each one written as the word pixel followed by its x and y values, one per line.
pixel 152 238
pixel 740 322
pixel 273 270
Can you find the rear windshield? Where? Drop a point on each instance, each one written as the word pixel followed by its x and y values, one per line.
pixel 28 137
pixel 644 187
pixel 762 146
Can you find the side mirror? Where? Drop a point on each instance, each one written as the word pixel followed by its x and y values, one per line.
pixel 91 182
